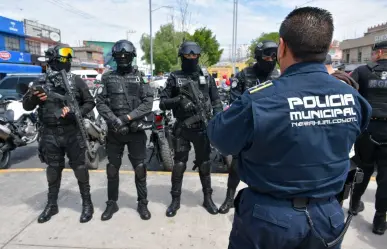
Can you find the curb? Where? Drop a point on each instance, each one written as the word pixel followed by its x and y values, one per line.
pixel 129 172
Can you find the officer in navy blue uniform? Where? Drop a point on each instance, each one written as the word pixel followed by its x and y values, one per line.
pixel 372 79
pixel 293 136
pixel 265 53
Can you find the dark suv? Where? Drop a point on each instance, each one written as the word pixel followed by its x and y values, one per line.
pixel 9 82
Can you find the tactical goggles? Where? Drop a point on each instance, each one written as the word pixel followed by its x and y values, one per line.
pixel 190 49
pixel 123 47
pixel 66 52
pixel 269 53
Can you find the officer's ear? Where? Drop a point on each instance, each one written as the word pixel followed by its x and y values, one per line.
pixel 281 51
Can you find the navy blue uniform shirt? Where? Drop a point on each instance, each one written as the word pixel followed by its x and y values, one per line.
pixel 293 135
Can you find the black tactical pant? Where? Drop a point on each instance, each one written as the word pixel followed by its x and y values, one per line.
pixel 54 144
pixel 233 176
pixel 115 145
pixel 369 154
pixel 182 145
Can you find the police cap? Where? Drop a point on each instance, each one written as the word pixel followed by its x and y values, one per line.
pixel 380 45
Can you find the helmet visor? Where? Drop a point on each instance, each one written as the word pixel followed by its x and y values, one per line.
pixel 66 52
pixel 190 49
pixel 123 47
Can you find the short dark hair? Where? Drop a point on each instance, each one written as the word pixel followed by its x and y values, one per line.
pixel 308 32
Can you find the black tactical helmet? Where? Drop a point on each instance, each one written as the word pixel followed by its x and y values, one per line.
pixel 59 51
pixel 189 47
pixel 124 46
pixel 379 45
pixel 266 48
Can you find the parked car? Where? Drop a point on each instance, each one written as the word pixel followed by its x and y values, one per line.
pixel 8 85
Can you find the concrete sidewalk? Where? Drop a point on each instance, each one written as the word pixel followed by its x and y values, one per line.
pixel 23 195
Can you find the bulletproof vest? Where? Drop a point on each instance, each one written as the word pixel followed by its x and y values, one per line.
pixel 377 90
pixel 182 83
pixel 251 79
pixel 123 92
pixel 51 105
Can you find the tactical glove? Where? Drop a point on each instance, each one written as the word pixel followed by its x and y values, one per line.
pixel 117 124
pixel 187 104
pixel 124 130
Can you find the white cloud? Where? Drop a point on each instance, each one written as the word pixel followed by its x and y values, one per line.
pixel 351 17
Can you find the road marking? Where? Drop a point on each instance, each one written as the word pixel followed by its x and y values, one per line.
pixel 129 172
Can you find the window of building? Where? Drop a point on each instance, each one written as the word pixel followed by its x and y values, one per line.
pixel 33 47
pixel 359 54
pixel 89 55
pixel 347 58
pixel 12 43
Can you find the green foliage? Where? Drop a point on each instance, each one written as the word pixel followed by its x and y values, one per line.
pixel 273 36
pixel 166 45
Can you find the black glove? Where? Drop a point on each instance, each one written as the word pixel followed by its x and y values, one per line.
pixel 124 119
pixel 123 130
pixel 134 126
pixel 117 124
pixel 187 104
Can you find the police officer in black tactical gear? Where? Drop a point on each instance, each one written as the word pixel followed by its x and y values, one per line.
pixel 265 53
pixel 60 136
pixel 190 125
pixel 370 148
pixel 124 100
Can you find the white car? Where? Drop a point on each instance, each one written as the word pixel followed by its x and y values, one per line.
pixel 159 83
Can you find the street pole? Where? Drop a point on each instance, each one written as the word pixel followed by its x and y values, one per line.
pixel 151 41
pixel 233 39
pixel 236 31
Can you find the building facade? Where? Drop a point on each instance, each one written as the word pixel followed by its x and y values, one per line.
pixel 88 57
pixel 13 55
pixel 358 51
pixel 39 38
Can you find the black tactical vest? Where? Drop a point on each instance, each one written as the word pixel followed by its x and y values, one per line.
pixel 50 106
pixel 182 83
pixel 123 91
pixel 251 79
pixel 377 90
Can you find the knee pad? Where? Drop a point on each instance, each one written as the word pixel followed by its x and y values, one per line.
pixel 81 173
pixel 53 174
pixel 179 168
pixel 140 171
pixel 205 168
pixel 111 170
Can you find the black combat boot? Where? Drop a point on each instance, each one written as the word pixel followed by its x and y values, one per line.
pixel 177 181
pixel 87 204
pixel 379 224
pixel 54 177
pixel 205 178
pixel 228 202
pixel 142 192
pixel 356 207
pixel 142 209
pixel 111 208
pixel 51 208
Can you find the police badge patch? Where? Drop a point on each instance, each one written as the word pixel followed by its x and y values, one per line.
pixel 234 84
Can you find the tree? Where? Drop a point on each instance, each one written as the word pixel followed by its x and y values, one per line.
pixel 273 36
pixel 165 46
pixel 210 46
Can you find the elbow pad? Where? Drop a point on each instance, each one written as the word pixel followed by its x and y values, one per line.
pixel 167 104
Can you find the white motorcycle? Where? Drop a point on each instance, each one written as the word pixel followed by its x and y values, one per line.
pixel 17 128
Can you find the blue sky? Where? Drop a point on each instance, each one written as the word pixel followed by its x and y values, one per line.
pixel 108 20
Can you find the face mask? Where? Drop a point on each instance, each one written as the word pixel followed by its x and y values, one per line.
pixel 124 63
pixel 59 66
pixel 266 67
pixel 189 65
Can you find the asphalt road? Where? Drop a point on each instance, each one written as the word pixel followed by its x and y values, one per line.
pixel 27 157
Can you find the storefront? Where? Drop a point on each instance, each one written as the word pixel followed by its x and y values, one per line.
pixel 13 58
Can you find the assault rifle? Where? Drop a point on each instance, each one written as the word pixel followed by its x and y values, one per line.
pixel 196 96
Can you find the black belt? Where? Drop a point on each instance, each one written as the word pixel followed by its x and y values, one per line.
pixel 301 203
pixel 381 119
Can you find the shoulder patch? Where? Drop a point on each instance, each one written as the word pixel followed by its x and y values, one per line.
pixel 259 87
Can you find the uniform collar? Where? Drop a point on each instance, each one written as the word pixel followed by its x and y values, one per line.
pixel 305 67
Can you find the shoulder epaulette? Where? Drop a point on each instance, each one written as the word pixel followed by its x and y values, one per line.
pixel 259 87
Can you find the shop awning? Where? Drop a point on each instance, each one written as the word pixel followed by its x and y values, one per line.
pixel 19 68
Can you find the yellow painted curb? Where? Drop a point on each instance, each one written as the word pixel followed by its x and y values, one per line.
pixel 129 172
